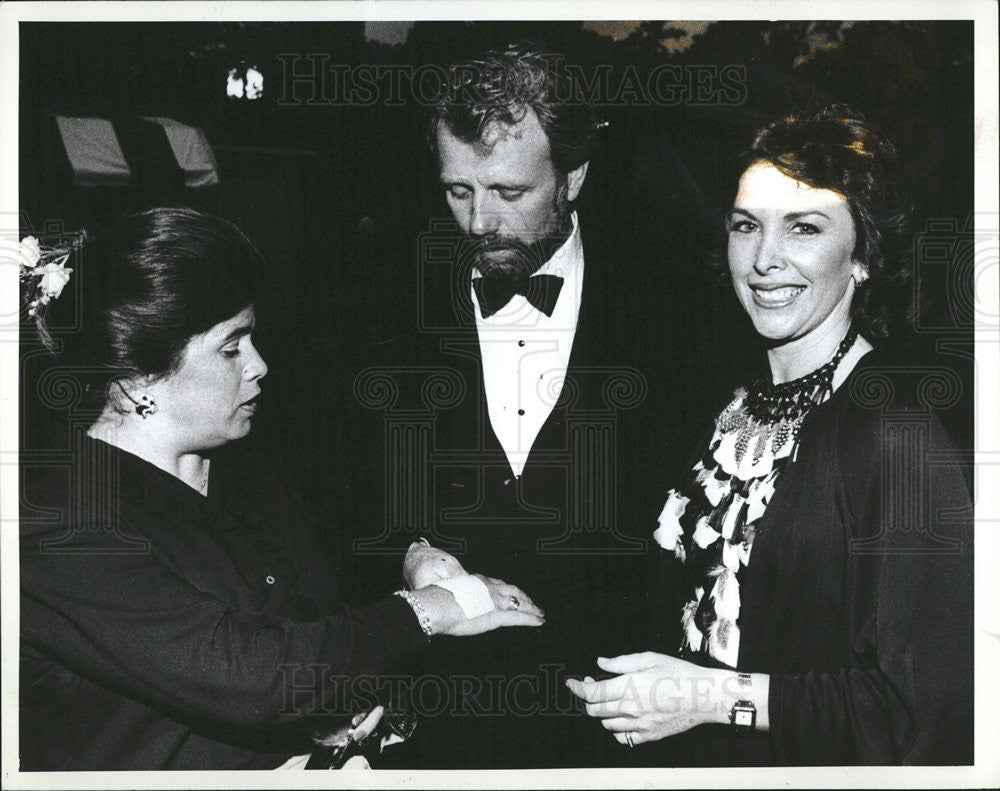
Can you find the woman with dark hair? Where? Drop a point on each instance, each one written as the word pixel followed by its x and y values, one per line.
pixel 177 611
pixel 817 574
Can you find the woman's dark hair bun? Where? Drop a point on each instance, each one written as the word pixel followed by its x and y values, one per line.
pixel 144 288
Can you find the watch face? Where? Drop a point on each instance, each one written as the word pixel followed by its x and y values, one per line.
pixel 743 718
pixel 744 715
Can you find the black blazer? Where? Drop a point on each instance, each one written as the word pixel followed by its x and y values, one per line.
pixel 572 531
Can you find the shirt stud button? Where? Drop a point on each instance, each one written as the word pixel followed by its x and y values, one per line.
pixel 520 343
pixel 520 411
pixel 269 579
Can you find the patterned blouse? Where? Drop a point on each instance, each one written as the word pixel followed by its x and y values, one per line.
pixel 709 523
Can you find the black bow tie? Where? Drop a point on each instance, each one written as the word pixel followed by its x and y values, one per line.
pixel 541 291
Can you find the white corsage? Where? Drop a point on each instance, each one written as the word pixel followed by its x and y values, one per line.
pixel 30 252
pixel 42 270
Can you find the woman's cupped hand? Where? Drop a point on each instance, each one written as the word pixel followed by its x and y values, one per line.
pixel 652 696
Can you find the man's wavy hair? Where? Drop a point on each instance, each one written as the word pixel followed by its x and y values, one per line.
pixel 502 86
pixel 837 149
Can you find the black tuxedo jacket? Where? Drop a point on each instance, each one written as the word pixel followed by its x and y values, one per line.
pixel 572 531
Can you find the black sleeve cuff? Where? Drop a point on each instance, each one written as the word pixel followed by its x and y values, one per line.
pixel 398 623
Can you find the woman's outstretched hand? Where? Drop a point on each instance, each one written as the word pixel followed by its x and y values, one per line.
pixel 655 696
pixel 512 607
pixel 426 565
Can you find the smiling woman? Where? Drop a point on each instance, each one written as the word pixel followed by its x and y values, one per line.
pixel 177 608
pixel 791 257
pixel 815 615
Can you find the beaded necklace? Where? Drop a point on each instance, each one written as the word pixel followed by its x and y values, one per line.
pixel 774 412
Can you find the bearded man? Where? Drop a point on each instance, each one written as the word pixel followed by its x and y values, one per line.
pixel 530 445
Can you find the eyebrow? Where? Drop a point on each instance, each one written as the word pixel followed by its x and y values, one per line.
pixel 449 181
pixel 237 332
pixel 792 215
pixel 744 212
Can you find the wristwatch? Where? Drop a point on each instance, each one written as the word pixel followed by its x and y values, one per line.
pixel 743 714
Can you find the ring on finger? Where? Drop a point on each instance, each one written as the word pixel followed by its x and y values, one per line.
pixel 515 603
pixel 628 739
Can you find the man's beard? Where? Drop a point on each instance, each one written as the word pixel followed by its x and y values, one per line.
pixel 508 258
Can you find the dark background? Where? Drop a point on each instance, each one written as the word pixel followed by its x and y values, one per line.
pixel 337 194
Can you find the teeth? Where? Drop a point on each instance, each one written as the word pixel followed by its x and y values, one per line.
pixel 778 295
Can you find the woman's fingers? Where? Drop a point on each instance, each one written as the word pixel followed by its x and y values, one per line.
pixel 578 688
pixel 632 663
pixel 517 617
pixel 517 599
pixel 638 737
pixel 368 723
pixel 613 709
pixel 614 689
pixel 497 619
pixel 619 724
pixel 510 597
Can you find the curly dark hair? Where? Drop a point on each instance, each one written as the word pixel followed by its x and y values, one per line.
pixel 837 149
pixel 501 86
